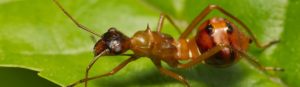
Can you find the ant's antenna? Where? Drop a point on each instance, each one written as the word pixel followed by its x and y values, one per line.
pixel 77 23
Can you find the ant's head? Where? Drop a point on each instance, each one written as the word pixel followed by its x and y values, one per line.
pixel 112 42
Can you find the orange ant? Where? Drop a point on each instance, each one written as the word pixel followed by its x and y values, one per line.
pixel 218 43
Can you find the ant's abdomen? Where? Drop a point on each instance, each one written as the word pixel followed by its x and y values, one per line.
pixel 224 58
pixel 218 31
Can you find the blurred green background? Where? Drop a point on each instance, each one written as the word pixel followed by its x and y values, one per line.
pixel 41 47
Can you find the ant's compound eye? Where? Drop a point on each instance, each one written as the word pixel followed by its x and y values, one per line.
pixel 230 29
pixel 209 29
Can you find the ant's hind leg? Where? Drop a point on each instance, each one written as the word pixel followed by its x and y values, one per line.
pixel 115 70
pixel 161 22
pixel 263 47
pixel 255 63
pixel 170 73
pixel 202 57
pixel 212 7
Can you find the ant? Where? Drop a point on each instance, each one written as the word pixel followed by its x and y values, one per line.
pixel 218 43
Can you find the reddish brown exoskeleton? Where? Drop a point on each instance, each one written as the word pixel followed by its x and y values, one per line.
pixel 218 43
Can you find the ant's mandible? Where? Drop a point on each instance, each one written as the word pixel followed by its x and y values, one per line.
pixel 218 42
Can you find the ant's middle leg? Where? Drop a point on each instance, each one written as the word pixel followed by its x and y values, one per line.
pixel 170 73
pixel 161 22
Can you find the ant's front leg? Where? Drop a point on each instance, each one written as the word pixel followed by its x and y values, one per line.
pixel 115 70
pixel 92 63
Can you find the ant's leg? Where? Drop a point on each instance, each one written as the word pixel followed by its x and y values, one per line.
pixel 244 27
pixel 201 16
pixel 161 22
pixel 115 70
pixel 92 63
pixel 196 21
pixel 216 49
pixel 202 57
pixel 207 10
pixel 170 73
pixel 256 63
pixel 74 21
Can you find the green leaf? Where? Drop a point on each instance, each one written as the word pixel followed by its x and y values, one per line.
pixel 18 77
pixel 36 35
